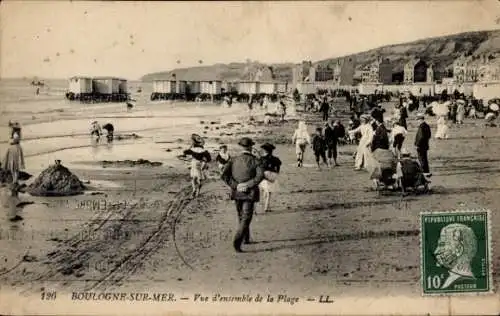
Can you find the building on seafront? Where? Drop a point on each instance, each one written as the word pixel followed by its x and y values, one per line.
pixel 344 71
pixel 323 73
pixel 415 70
pixel 371 73
pixel 340 72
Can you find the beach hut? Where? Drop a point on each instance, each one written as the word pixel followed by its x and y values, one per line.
pixel 194 87
pixel 164 86
pixel 122 86
pixel 211 87
pixel 281 87
pixel 181 87
pixel 248 87
pixel 268 87
pixel 80 85
pixel 106 85
pixel 109 89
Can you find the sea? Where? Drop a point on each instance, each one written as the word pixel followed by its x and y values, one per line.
pixel 54 128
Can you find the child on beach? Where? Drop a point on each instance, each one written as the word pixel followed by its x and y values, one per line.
pixel 319 147
pixel 271 165
pixel 95 130
pixel 200 158
pixel 223 157
pixel 398 134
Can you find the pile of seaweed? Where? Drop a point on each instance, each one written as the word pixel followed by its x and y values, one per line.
pixel 56 180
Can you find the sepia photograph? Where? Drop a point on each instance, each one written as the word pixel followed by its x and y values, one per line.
pixel 247 158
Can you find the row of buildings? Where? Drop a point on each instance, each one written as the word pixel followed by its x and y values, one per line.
pixel 482 68
pixel 344 72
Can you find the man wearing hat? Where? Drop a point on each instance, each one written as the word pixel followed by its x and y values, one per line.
pixel 422 142
pixel 243 175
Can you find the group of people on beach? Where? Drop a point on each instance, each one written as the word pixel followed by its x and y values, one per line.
pixel 96 131
pixel 250 175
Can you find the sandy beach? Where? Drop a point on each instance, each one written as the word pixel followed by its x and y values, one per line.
pixel 137 229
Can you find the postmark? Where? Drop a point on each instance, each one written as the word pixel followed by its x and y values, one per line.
pixel 456 252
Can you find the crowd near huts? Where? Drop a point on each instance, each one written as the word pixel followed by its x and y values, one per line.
pixel 97 89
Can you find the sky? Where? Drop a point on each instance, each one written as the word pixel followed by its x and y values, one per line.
pixel 59 39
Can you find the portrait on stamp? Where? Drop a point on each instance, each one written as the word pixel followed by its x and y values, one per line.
pixel 455 250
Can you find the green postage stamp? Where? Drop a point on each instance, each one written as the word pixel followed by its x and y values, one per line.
pixel 455 252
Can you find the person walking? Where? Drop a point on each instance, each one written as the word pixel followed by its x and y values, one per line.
pixel 319 147
pixel 243 174
pixel 398 134
pixel 366 131
pixel 332 133
pixel 200 158
pixel 442 127
pixel 380 137
pixel 460 111
pixel 422 142
pixel 222 157
pixel 271 166
pixel 301 139
pixel 325 109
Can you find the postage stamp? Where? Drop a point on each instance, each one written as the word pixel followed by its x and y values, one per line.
pixel 456 252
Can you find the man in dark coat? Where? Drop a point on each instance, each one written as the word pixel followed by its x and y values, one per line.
pixel 403 115
pixel 243 174
pixel 325 108
pixel 333 132
pixel 380 137
pixel 422 142
pixel 378 113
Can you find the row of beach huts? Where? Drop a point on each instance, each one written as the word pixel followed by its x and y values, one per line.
pixel 97 89
pixel 112 89
pixel 176 89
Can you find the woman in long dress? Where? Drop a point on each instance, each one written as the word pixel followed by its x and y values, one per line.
pixel 442 128
pixel 13 161
pixel 292 107
pixel 460 111
pixel 363 151
pixel 301 139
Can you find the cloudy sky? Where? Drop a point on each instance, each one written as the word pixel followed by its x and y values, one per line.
pixel 59 39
